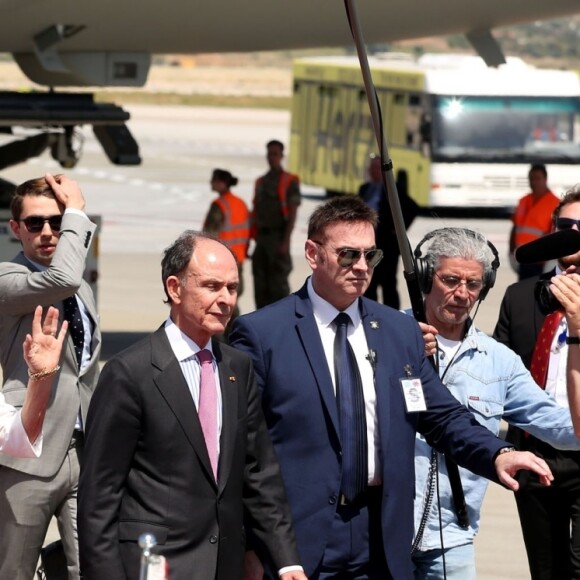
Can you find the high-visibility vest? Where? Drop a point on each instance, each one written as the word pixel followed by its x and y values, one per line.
pixel 235 232
pixel 533 217
pixel 284 182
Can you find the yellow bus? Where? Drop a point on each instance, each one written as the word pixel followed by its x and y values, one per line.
pixel 460 134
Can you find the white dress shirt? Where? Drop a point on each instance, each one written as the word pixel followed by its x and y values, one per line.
pixel 185 351
pixel 324 314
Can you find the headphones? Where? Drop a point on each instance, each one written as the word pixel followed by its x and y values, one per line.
pixel 425 271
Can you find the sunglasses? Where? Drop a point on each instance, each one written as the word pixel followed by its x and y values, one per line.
pixel 567 223
pixel 346 257
pixel 35 223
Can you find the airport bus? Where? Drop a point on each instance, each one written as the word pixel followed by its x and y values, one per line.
pixel 460 134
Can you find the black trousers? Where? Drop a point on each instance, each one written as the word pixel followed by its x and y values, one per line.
pixel 550 516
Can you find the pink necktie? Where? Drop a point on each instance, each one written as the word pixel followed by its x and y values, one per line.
pixel 207 411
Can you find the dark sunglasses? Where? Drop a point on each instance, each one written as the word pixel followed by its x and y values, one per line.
pixel 346 257
pixel 35 223
pixel 567 223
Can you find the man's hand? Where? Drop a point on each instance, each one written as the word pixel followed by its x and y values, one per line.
pixel 566 289
pixel 66 191
pixel 429 334
pixel 298 575
pixel 508 464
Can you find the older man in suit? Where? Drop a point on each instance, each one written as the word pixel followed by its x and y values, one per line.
pixel 49 220
pixel 176 441
pixel 345 387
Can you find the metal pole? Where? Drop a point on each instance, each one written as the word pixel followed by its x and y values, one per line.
pixel 387 166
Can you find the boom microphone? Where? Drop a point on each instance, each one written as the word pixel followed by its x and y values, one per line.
pixel 549 247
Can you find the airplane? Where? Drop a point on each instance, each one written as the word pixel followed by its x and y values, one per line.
pixel 71 43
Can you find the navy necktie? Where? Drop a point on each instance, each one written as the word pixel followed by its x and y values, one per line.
pixel 76 329
pixel 351 406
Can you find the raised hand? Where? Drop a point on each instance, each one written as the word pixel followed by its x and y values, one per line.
pixel 42 348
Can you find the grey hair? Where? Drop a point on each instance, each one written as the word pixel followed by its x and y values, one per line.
pixel 458 243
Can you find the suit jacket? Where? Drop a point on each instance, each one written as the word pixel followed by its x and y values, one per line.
pixel 22 289
pixel 146 470
pixel 519 323
pixel 301 413
pixel 520 318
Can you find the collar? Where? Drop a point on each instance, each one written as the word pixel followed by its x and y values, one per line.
pixel 325 313
pixel 182 346
pixel 39 267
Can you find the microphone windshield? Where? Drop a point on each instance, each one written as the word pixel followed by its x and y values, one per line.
pixel 549 247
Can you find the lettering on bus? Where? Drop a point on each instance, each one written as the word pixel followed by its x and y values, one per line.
pixel 343 142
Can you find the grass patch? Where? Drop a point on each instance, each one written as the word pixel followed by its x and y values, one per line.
pixel 193 100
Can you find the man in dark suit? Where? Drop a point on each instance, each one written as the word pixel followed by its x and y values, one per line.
pixel 178 448
pixel 374 194
pixel 364 530
pixel 49 220
pixel 550 518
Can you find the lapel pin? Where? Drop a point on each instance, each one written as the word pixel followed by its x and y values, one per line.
pixel 374 324
pixel 232 379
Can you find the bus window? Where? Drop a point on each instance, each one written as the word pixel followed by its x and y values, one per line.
pixel 510 129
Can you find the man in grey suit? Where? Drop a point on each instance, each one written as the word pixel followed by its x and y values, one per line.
pixel 49 220
pixel 177 444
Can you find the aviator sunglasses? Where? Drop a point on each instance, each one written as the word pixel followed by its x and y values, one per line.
pixel 348 256
pixel 35 223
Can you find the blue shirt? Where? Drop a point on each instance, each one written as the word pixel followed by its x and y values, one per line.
pixel 493 383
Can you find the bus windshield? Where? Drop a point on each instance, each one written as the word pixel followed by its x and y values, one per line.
pixel 506 129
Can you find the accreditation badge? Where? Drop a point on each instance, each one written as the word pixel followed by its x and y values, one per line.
pixel 413 394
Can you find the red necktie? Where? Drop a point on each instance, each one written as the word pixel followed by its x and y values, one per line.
pixel 541 356
pixel 207 410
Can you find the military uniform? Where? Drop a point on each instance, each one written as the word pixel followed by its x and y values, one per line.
pixel 270 268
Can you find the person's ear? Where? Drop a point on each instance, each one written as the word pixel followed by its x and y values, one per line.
pixel 174 289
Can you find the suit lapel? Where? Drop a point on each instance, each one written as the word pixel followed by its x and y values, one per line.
pixel 374 334
pixel 168 377
pixel 87 297
pixel 229 385
pixel 314 353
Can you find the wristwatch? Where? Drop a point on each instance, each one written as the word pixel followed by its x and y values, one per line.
pixel 506 450
pixel 573 340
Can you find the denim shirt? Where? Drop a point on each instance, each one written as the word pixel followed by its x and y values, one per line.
pixel 492 382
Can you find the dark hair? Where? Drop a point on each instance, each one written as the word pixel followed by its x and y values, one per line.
pixel 571 196
pixel 348 208
pixel 225 176
pixel 275 143
pixel 177 256
pixel 539 167
pixel 34 188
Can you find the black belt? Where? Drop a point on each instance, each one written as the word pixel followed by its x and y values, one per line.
pixel 77 439
pixel 372 493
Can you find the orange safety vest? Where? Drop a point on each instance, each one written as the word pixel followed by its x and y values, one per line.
pixel 284 182
pixel 235 232
pixel 533 217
